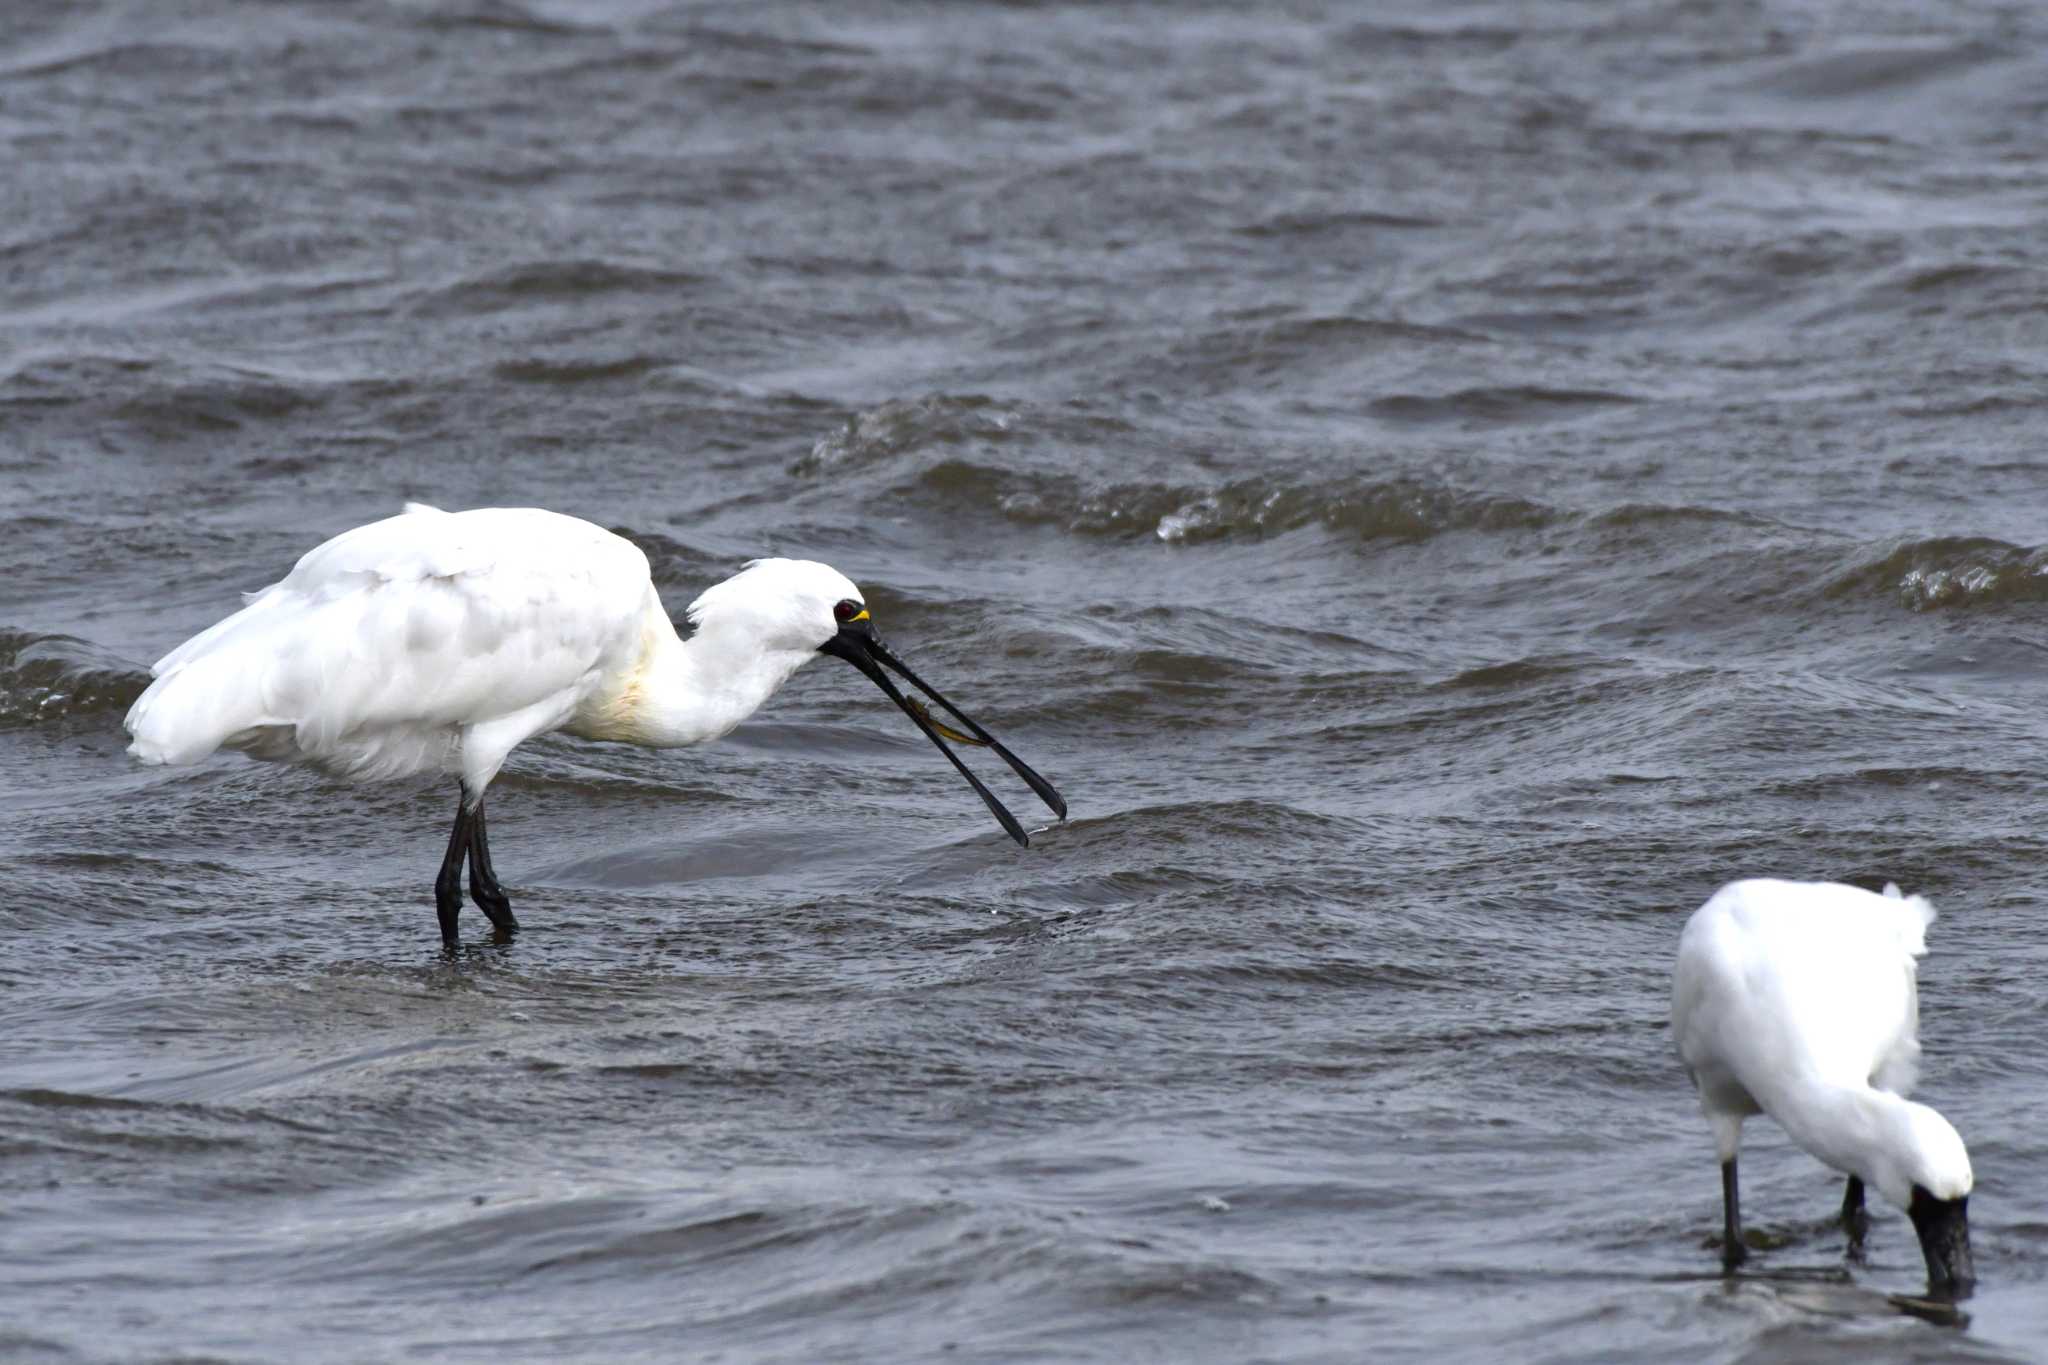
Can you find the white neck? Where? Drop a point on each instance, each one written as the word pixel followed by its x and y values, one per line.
pixel 688 691
pixel 1857 1129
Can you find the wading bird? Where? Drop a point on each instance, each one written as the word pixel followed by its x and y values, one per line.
pixel 440 641
pixel 1798 1000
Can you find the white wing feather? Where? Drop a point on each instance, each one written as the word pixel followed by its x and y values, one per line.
pixel 1780 978
pixel 384 645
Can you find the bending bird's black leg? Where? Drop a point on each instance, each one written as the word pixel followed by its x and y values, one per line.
pixel 1853 1216
pixel 484 888
pixel 1733 1252
pixel 448 885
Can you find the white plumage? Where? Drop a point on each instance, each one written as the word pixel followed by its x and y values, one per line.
pixel 1799 1000
pixel 436 641
pixel 439 642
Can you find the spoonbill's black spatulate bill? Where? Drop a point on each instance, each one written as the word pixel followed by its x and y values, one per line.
pixel 439 642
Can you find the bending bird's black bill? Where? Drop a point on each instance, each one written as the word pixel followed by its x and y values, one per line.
pixel 856 644
pixel 1944 1228
pixel 1052 799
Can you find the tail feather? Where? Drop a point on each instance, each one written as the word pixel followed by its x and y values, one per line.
pixel 1916 914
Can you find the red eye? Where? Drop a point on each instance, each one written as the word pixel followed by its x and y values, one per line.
pixel 847 611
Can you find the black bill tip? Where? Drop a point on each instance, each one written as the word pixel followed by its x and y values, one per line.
pixel 1045 791
pixel 855 642
pixel 1944 1228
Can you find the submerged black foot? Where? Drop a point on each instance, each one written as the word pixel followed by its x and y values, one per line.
pixel 1733 1252
pixel 448 903
pixel 448 883
pixel 484 887
pixel 1854 1219
pixel 492 900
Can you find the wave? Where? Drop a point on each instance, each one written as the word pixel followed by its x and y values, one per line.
pixel 170 399
pixel 1966 289
pixel 216 403
pixel 1397 509
pixel 973 456
pixel 1495 405
pixel 1297 356
pixel 119 58
pixel 503 17
pixel 905 424
pixel 545 371
pixel 546 282
pixel 1667 518
pixel 1379 38
pixel 1871 71
pixel 1949 571
pixel 45 678
pixel 954 452
pixel 52 376
pixel 39 1097
pixel 1336 222
pixel 1519 674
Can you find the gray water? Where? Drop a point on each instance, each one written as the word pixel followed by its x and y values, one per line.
pixel 1440 488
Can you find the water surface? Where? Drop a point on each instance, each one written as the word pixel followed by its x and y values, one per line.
pixel 1440 489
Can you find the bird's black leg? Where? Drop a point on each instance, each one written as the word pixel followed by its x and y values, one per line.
pixel 1733 1252
pixel 484 888
pixel 448 885
pixel 1853 1216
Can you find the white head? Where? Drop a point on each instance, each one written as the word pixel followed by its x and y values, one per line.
pixel 777 606
pixel 766 621
pixel 1918 1147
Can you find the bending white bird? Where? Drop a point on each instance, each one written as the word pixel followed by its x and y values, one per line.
pixel 439 642
pixel 1799 1000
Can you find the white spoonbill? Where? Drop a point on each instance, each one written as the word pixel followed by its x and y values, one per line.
pixel 1799 1000
pixel 439 641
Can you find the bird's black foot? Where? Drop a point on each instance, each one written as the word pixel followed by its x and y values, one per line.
pixel 448 882
pixel 1854 1219
pixel 484 887
pixel 469 843
pixel 448 904
pixel 1733 1252
pixel 490 898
